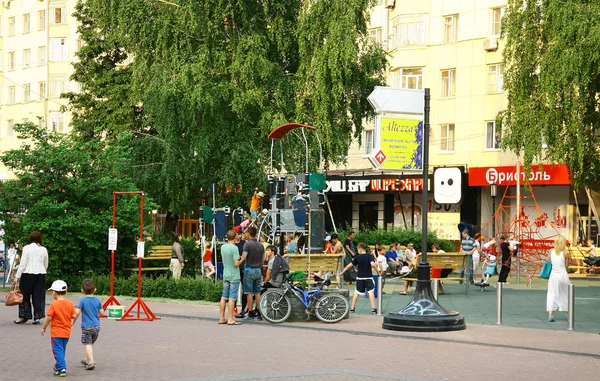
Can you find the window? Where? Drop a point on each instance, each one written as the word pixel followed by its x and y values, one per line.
pixel 448 83
pixel 58 84
pixel 42 91
pixel 375 35
pixel 26 57
pixel 408 31
pixel 78 45
pixel 11 26
pixel 12 95
pixel 450 29
pixel 408 78
pixel 41 55
pixel 9 128
pixel 369 142
pixel 495 78
pixel 58 13
pixel 57 121
pixel 497 15
pixel 447 138
pixel 58 49
pixel 42 20
pixel 11 61
pixel 26 93
pixel 26 23
pixel 493 137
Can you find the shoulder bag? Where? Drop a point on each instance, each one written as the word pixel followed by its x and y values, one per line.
pixel 14 297
pixel 546 270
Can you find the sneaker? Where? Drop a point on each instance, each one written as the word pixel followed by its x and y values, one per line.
pixel 241 315
pixel 551 319
pixel 62 373
pixel 352 310
pixel 90 366
pixel 258 317
pixel 84 363
pixel 56 372
pixel 374 311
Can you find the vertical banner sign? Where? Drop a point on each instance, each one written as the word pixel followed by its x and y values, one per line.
pixel 140 249
pixel 401 142
pixel 112 239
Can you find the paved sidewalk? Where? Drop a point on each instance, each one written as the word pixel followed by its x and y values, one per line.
pixel 522 307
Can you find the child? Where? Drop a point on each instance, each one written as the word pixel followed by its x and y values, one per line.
pixel 89 308
pixel 60 315
pixel 491 266
pixel 382 266
pixel 364 278
pixel 208 260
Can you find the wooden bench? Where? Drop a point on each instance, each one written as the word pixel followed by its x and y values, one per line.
pixel 576 262
pixel 316 262
pixel 155 254
pixel 446 261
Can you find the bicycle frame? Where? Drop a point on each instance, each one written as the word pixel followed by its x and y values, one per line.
pixel 306 297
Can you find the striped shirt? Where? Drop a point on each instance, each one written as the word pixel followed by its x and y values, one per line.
pixel 467 244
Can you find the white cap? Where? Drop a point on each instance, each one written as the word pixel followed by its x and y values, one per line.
pixel 492 257
pixel 328 238
pixel 260 194
pixel 58 285
pixel 404 270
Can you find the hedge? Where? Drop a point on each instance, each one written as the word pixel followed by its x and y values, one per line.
pixel 161 287
pixel 393 235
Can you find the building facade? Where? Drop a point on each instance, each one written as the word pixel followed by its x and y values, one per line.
pixel 453 48
pixel 38 42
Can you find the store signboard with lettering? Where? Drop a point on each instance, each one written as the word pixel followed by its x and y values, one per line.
pixel 507 175
pixel 365 185
pixel 400 144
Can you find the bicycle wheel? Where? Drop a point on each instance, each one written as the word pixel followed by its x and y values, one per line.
pixel 332 308
pixel 275 306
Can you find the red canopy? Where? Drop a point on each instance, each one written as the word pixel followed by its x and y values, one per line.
pixel 280 131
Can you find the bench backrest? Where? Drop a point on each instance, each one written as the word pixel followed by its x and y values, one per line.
pixel 318 262
pixel 445 260
pixel 160 251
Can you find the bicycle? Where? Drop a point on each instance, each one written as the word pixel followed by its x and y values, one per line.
pixel 276 306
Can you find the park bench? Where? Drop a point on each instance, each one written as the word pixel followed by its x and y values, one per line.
pixel 331 263
pixel 576 262
pixel 443 261
pixel 155 254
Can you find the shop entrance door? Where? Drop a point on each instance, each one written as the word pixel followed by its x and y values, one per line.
pixel 368 215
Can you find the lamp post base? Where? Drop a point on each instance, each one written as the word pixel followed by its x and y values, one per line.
pixel 424 313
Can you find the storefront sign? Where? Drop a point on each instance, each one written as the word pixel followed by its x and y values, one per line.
pixel 375 185
pixel 400 144
pixel 546 175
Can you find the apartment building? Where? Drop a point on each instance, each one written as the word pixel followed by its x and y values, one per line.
pixel 452 47
pixel 38 42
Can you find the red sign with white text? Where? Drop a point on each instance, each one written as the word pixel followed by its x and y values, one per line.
pixel 546 175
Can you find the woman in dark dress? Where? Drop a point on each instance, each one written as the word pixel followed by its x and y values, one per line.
pixel 506 259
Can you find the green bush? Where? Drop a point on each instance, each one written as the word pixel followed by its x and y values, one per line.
pixel 393 235
pixel 161 287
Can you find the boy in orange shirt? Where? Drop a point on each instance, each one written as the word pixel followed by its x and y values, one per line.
pixel 61 316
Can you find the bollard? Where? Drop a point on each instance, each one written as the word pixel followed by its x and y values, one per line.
pixel 571 308
pixel 240 296
pixel 435 289
pixel 499 303
pixel 379 295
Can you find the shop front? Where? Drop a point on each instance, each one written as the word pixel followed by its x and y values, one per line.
pixel 537 213
pixel 387 201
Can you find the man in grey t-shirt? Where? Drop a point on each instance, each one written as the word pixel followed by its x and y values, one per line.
pixel 253 254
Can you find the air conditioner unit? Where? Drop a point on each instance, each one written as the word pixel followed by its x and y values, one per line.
pixel 490 44
pixel 390 3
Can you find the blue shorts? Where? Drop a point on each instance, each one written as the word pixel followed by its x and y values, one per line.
pixel 230 289
pixel 252 281
pixel 254 214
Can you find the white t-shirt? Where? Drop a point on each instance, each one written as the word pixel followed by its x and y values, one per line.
pixel 382 262
pixel 476 251
pixel 410 255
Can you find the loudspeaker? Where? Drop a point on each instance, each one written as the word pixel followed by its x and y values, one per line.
pixel 317 230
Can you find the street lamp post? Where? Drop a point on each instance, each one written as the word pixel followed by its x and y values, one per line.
pixel 493 193
pixel 424 313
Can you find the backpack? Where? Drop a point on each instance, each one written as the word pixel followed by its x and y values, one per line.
pixel 280 266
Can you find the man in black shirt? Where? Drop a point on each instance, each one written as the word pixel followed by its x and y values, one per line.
pixel 252 255
pixel 364 276
pixel 349 245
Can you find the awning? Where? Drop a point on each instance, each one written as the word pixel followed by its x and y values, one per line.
pixel 280 131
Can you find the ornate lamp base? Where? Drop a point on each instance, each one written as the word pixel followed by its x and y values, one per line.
pixel 423 313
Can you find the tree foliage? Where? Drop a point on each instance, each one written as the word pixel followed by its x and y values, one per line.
pixel 209 80
pixel 552 77
pixel 64 189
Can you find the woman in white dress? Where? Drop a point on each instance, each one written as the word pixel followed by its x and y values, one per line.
pixel 558 284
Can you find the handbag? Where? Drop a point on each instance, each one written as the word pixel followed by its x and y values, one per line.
pixel 14 297
pixel 546 270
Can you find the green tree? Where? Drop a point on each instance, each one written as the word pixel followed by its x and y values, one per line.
pixel 209 81
pixel 553 83
pixel 64 189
